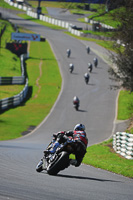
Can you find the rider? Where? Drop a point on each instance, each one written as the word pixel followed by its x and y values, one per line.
pixel 77 135
pixel 68 52
pixel 71 67
pixel 86 76
pixel 76 100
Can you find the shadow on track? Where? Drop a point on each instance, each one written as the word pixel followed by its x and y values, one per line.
pixel 85 178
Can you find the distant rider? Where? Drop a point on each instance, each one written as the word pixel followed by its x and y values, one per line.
pixel 76 100
pixel 95 60
pixel 71 67
pixel 87 77
pixel 68 52
pixel 77 135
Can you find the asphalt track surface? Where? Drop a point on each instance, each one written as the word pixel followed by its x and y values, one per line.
pixel 18 158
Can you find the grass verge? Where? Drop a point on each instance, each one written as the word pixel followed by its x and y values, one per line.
pixel 106 44
pixel 103 156
pixel 44 87
pixel 125 105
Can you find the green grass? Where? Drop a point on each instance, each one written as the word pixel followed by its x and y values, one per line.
pixel 10 90
pixel 103 156
pixel 43 95
pixel 9 64
pixel 107 17
pixel 3 4
pixel 106 44
pixel 98 33
pixel 125 102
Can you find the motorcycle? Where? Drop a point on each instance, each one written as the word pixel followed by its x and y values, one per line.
pixel 76 103
pixel 71 67
pixel 88 49
pixel 86 77
pixel 95 60
pixel 90 67
pixel 53 163
pixel 68 53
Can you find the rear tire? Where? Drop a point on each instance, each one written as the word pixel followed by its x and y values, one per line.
pixel 60 164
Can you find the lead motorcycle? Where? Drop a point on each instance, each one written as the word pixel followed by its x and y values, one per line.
pixel 76 103
pixel 53 163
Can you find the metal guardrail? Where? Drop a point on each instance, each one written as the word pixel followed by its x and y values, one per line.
pixel 15 100
pixel 16 80
pixel 123 144
pixel 19 98
pixel 50 20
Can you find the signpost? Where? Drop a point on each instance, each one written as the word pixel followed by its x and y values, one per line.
pixel 25 36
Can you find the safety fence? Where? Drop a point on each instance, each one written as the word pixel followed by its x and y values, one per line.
pixel 123 144
pixel 47 19
pixel 100 25
pixel 16 100
pixel 56 22
pixel 16 80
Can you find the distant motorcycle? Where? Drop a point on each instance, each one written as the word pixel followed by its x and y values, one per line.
pixel 90 67
pixel 88 49
pixel 68 52
pixel 86 77
pixel 71 67
pixel 76 103
pixel 95 61
pixel 53 163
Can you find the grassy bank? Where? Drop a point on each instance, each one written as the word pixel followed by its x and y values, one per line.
pixel 103 156
pixel 44 87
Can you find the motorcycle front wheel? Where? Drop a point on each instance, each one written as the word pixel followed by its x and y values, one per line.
pixel 39 166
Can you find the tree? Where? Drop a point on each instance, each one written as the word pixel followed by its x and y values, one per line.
pixel 123 45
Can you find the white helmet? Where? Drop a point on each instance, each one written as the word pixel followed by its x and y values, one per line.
pixel 79 127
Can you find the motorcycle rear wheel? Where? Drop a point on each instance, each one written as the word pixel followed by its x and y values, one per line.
pixel 60 164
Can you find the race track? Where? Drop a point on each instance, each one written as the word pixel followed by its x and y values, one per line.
pixel 18 158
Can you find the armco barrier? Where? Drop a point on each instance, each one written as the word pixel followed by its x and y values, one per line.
pixel 102 26
pixel 15 100
pixel 19 98
pixel 123 144
pixel 17 80
pixel 50 20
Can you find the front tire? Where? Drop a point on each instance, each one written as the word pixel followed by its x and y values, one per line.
pixel 39 166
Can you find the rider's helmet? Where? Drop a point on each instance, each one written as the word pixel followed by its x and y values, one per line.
pixel 89 65
pixel 79 127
